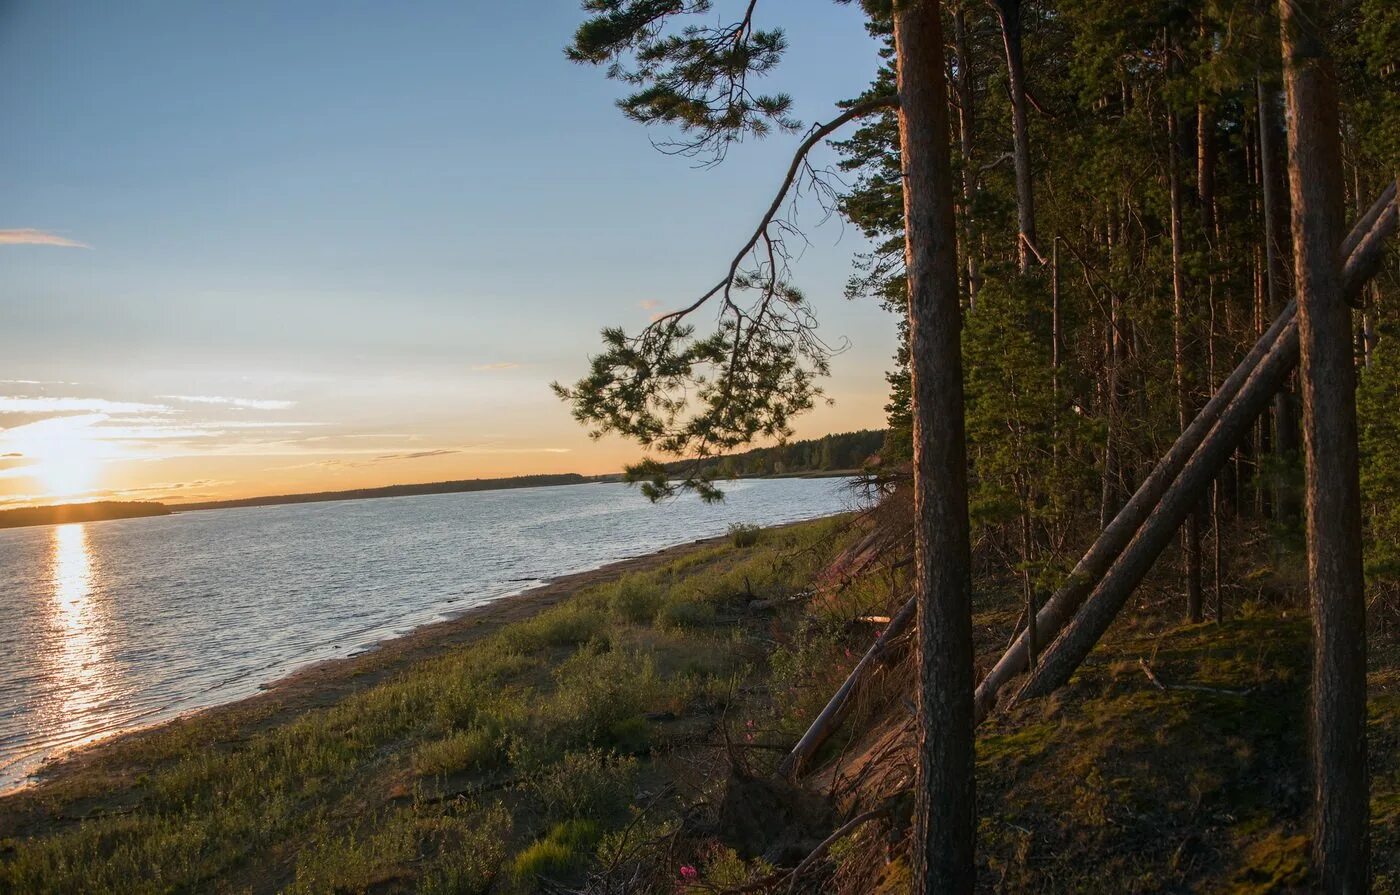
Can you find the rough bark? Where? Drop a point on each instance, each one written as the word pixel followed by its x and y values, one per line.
pixel 1327 379
pixel 945 807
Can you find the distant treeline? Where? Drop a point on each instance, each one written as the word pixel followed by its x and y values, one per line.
pixel 831 453
pixel 523 481
pixel 80 512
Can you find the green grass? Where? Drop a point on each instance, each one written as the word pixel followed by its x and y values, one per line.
pixel 454 775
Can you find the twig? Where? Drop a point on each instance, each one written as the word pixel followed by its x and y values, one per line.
pixel 1199 688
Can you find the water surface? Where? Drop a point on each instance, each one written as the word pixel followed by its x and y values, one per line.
pixel 107 626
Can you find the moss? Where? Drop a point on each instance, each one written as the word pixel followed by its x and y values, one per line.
pixel 1272 864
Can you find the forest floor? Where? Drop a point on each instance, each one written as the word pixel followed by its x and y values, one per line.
pixel 615 733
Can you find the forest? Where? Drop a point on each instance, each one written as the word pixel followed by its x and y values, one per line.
pixel 1141 258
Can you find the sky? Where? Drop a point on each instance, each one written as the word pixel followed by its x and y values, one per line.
pixel 260 247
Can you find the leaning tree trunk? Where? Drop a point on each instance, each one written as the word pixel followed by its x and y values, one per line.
pixel 1327 379
pixel 1364 250
pixel 944 815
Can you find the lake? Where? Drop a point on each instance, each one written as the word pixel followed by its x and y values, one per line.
pixel 109 626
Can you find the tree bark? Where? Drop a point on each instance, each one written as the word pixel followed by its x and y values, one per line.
pixel 945 807
pixel 1009 12
pixel 1327 379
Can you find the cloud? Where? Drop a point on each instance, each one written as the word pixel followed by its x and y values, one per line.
pixel 19 404
pixel 30 237
pixel 417 455
pixel 648 304
pixel 502 365
pixel 241 403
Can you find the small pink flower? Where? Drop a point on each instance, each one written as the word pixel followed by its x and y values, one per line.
pixel 879 633
pixel 748 737
pixel 689 872
pixel 848 652
pixel 749 724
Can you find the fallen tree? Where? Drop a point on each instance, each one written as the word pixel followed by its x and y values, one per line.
pixel 1103 605
pixel 1363 249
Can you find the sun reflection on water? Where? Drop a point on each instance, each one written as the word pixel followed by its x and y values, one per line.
pixel 79 664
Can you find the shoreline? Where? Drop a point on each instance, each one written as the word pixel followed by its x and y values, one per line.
pixel 325 682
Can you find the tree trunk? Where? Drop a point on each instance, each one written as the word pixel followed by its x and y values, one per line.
pixel 1364 250
pixel 1277 245
pixel 1327 379
pixel 962 85
pixel 1191 536
pixel 945 798
pixel 1009 12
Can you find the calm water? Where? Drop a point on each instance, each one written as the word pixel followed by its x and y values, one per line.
pixel 113 625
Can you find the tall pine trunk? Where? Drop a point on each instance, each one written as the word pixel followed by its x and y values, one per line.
pixel 945 797
pixel 1327 379
pixel 1009 12
pixel 1191 535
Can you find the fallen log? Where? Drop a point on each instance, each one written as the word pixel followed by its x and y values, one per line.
pixel 1111 542
pixel 830 717
pixel 1080 636
pixel 1362 247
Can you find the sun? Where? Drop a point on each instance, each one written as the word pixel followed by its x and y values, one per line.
pixel 65 458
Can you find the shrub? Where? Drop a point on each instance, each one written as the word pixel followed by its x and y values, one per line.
pixel 584 785
pixel 630 736
pixel 476 749
pixel 566 625
pixel 686 614
pixel 744 535
pixel 566 848
pixel 595 689
pixel 635 599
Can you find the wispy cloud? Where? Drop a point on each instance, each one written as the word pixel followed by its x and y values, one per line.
pixel 417 455
pixel 241 403
pixel 21 404
pixel 648 304
pixel 30 237
pixel 502 365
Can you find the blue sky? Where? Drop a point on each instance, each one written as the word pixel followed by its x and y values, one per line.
pixel 378 229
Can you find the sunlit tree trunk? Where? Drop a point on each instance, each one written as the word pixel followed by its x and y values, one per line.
pixel 944 800
pixel 1327 379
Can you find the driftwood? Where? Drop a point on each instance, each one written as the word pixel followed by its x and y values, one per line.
pixel 1112 592
pixel 1362 248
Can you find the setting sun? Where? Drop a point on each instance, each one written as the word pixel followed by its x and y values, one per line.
pixel 65 458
